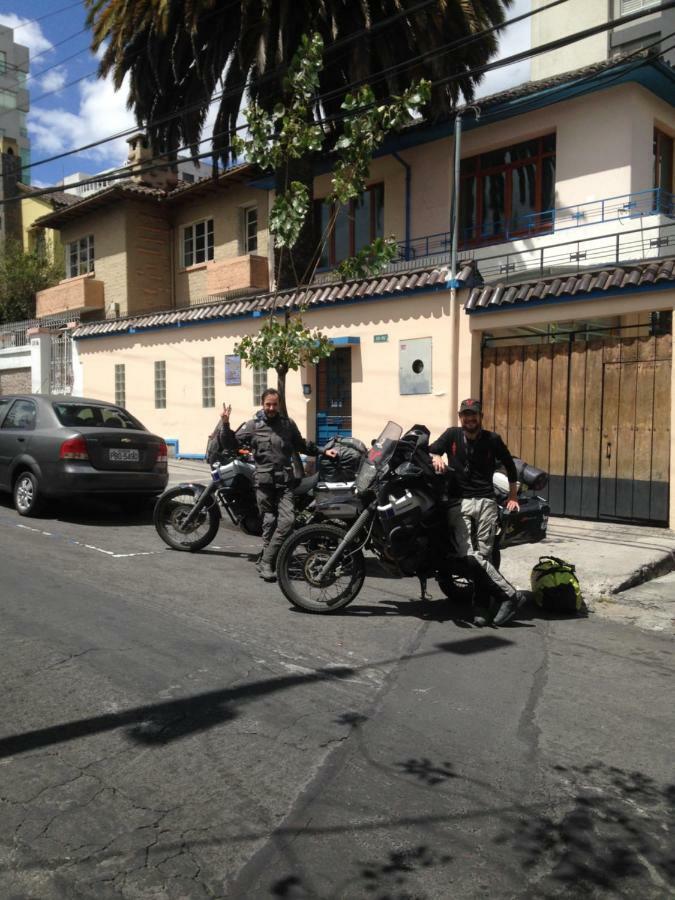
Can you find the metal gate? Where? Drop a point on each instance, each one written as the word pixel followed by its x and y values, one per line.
pixel 595 414
pixel 334 396
pixel 61 363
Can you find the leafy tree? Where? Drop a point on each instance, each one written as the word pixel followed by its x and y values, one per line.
pixel 179 55
pixel 22 275
pixel 286 133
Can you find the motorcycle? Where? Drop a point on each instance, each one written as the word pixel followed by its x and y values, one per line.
pixel 398 511
pixel 187 516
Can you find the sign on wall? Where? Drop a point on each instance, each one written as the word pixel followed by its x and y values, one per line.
pixel 232 369
pixel 414 366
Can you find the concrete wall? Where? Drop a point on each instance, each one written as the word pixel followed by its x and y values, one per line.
pixel 15 381
pixel 563 20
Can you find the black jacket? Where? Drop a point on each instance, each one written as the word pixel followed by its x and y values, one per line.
pixel 272 443
pixel 474 462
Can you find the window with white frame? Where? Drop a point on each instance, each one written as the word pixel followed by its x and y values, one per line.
pixel 259 385
pixel 197 243
pixel 631 6
pixel 80 256
pixel 120 385
pixel 249 230
pixel 208 381
pixel 160 384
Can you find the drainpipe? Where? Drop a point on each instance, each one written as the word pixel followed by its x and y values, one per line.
pixel 408 180
pixel 453 282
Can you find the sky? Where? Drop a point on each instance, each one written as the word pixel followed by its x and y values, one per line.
pixel 70 106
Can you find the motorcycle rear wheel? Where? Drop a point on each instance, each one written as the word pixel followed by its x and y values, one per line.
pixel 172 509
pixel 300 559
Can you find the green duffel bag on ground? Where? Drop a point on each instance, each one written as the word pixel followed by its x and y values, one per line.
pixel 555 586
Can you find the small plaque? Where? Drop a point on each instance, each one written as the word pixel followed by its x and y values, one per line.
pixel 380 338
pixel 232 369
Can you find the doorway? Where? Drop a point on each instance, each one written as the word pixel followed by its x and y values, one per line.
pixel 334 396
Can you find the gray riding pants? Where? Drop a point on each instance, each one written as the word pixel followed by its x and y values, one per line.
pixel 277 509
pixel 474 524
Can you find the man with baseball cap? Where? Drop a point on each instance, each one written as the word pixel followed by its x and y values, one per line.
pixel 473 455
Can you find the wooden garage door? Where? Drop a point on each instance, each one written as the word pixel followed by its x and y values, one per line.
pixel 595 415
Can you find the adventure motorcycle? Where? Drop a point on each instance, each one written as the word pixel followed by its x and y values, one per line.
pixel 187 516
pixel 398 511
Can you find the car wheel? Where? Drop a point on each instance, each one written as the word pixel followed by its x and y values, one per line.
pixel 27 500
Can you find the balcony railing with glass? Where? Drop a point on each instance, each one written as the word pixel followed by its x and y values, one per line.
pixel 622 208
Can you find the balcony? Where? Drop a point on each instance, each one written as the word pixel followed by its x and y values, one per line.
pixel 627 209
pixel 241 274
pixel 73 294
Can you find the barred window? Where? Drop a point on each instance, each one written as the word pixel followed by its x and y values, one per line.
pixel 120 386
pixel 197 244
pixel 208 381
pixel 160 385
pixel 259 385
pixel 80 256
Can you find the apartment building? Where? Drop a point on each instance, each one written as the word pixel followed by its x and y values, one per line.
pixel 560 315
pixel 14 142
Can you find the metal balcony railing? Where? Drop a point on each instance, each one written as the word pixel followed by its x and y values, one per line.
pixel 623 208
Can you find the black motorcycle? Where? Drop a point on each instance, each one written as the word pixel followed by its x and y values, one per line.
pixel 187 516
pixel 399 512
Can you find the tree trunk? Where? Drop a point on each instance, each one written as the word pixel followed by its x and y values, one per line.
pixel 281 387
pixel 297 262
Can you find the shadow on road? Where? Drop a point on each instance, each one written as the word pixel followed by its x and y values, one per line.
pixel 161 723
pixel 91 511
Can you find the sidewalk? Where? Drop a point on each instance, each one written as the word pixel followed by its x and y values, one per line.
pixel 623 569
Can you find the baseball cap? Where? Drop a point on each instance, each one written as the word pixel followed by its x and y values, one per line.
pixel 470 406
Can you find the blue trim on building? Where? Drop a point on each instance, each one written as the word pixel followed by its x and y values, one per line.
pixel 345 341
pixel 174 442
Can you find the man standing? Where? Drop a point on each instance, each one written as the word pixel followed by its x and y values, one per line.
pixel 474 454
pixel 273 439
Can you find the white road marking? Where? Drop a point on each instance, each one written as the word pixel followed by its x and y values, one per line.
pixel 110 553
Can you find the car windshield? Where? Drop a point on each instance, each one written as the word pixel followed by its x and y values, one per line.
pixel 88 415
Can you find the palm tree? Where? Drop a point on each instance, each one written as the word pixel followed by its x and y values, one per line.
pixel 179 53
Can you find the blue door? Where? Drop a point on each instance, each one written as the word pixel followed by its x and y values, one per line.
pixel 334 396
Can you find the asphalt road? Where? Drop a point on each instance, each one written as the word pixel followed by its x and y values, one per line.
pixel 172 729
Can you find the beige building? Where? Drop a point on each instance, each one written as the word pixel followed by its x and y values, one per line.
pixel 561 317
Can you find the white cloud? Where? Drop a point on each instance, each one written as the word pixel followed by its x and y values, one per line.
pixel 29 34
pixel 54 80
pixel 101 111
pixel 513 39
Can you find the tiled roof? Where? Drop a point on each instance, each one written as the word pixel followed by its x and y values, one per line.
pixel 385 286
pixel 502 295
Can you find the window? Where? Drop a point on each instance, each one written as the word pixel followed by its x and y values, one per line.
pixel 80 256
pixel 208 381
pixel 188 177
pixel 631 6
pixel 355 225
pixel 85 415
pixel 3 62
pixel 160 385
pixel 197 243
pixel 7 99
pixel 25 162
pixel 249 238
pixel 259 385
pixel 504 192
pixel 120 385
pixel 663 170
pixel 21 415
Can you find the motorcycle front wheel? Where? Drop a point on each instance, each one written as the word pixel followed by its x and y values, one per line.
pixel 171 511
pixel 302 557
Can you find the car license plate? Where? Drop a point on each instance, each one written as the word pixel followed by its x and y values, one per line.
pixel 123 455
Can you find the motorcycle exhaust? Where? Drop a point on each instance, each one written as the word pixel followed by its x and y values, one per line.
pixel 345 542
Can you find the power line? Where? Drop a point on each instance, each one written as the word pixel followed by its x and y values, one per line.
pixel 477 70
pixel 232 91
pixel 54 12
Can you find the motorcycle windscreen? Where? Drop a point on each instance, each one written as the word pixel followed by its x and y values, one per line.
pixel 378 456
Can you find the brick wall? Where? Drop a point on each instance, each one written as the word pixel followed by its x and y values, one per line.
pixel 15 381
pixel 148 259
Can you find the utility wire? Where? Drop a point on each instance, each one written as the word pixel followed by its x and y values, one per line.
pixel 54 12
pixel 497 64
pixel 460 42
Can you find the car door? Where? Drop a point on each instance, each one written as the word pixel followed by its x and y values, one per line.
pixel 15 431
